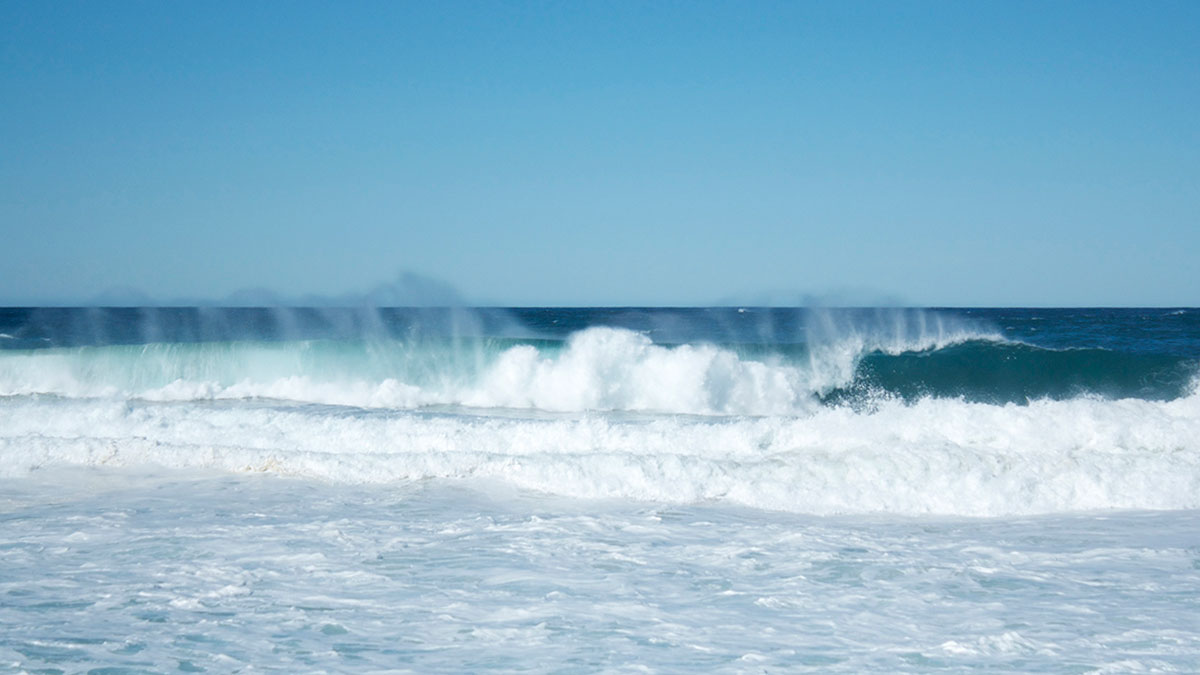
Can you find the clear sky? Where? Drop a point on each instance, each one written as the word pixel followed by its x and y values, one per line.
pixel 580 153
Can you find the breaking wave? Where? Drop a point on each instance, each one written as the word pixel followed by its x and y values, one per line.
pixel 595 369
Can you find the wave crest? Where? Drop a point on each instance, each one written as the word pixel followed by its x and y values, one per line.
pixel 614 369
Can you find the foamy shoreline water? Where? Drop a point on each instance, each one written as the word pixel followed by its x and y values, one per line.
pixel 163 571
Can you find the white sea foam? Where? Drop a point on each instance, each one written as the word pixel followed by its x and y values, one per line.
pixel 607 369
pixel 137 570
pixel 934 456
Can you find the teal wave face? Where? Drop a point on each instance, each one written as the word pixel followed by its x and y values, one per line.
pixel 991 372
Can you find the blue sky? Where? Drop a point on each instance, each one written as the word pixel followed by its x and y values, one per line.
pixel 929 153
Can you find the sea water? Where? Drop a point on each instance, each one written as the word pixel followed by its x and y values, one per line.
pixel 730 489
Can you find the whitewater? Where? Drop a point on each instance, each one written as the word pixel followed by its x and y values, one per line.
pixel 734 489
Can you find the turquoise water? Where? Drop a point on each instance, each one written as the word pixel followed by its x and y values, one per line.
pixel 741 490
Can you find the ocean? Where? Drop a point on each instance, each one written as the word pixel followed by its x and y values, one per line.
pixel 599 490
